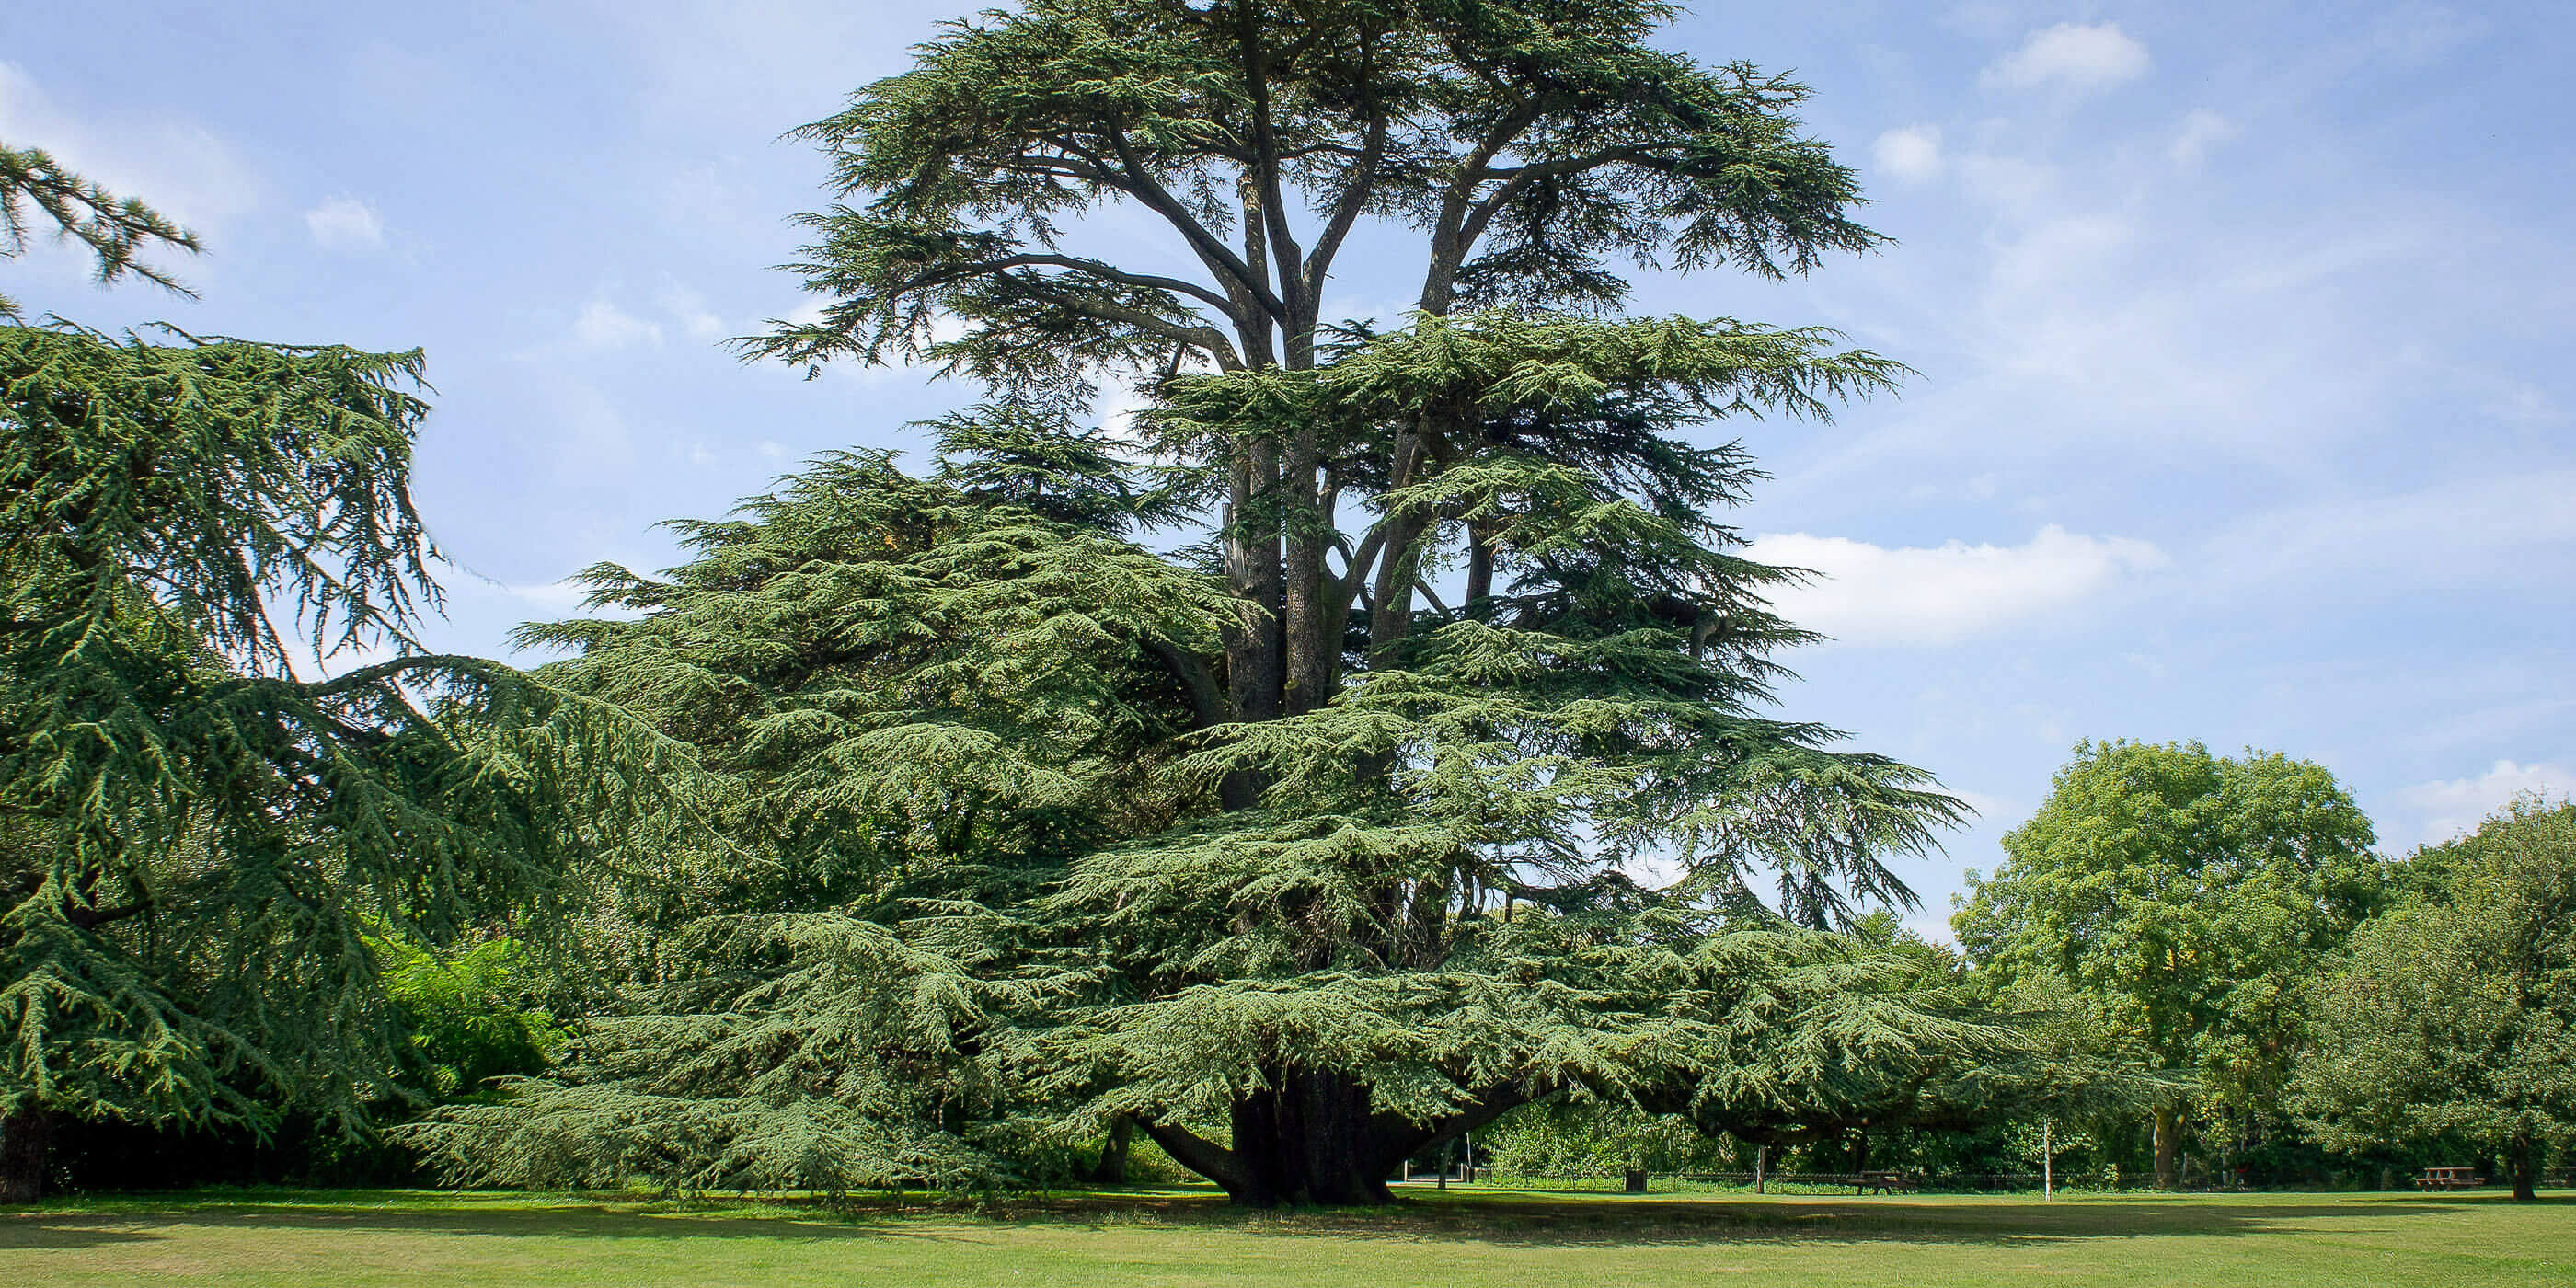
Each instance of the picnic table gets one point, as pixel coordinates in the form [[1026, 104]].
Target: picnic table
[[2449, 1178], [1883, 1182]]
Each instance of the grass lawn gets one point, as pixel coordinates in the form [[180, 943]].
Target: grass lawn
[[1463, 1237]]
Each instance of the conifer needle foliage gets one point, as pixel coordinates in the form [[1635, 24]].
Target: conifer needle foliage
[[196, 843], [1377, 735]]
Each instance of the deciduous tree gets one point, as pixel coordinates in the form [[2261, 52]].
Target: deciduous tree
[[2453, 1016], [2189, 896]]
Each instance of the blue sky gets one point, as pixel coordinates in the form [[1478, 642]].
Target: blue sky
[[2244, 329]]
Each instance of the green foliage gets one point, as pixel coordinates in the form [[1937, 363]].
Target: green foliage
[[960, 736], [114, 231], [469, 1015], [1238, 842], [197, 840], [2187, 898], [1523, 142], [2186, 892], [920, 696], [2454, 1015], [1568, 1138]]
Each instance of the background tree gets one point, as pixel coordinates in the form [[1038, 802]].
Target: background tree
[[2188, 896], [194, 842], [2453, 1016], [2046, 1056]]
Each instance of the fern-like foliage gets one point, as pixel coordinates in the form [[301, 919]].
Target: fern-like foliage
[[974, 737], [198, 841], [1434, 768]]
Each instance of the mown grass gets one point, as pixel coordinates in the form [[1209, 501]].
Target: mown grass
[[1460, 1238]]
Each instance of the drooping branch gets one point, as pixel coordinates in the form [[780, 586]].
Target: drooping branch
[[1200, 1155], [1400, 1138]]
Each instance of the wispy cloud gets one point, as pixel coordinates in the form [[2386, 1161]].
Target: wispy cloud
[[2200, 131], [689, 310], [1874, 595], [2457, 805], [2071, 56], [173, 164], [345, 224], [603, 327], [2460, 533], [1911, 154]]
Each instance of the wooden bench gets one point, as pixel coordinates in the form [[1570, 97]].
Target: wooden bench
[[2449, 1178], [1883, 1182]]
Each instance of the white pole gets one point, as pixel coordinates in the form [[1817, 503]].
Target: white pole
[[2047, 1162]]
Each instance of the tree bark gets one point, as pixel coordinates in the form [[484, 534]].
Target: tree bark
[[2168, 1145], [1311, 1139], [2523, 1161], [24, 1138], [1112, 1169]]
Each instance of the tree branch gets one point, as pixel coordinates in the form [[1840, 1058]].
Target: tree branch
[[1134, 180], [1401, 1139], [1080, 264], [1200, 1155]]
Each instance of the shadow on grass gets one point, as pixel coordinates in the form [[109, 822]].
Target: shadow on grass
[[1514, 1218], [139, 1223]]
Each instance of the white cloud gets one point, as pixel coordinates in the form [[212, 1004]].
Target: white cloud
[[1115, 409], [2416, 33], [2457, 805], [2200, 130], [2524, 407], [689, 309], [1912, 154], [345, 223], [1872, 595], [561, 596], [603, 326], [2071, 56]]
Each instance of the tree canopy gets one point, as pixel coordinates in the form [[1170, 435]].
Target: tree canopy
[[2453, 1016], [2188, 895], [1252, 838], [195, 840]]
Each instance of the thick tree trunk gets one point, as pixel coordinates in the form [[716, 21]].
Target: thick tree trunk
[[1112, 1169], [2168, 1145], [1254, 648], [24, 1137], [2524, 1163], [1310, 1140]]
